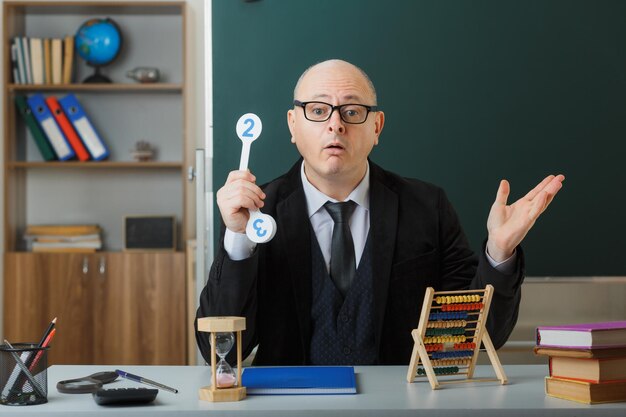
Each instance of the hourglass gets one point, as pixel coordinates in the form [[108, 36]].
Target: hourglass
[[224, 374], [225, 384]]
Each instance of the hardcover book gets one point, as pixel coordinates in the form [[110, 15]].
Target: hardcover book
[[57, 61], [589, 370], [581, 353], [586, 392], [62, 229], [299, 380], [584, 335], [36, 60]]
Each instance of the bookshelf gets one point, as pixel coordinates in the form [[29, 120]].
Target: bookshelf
[[110, 294]]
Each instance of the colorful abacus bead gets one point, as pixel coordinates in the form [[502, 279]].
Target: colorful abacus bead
[[446, 370]]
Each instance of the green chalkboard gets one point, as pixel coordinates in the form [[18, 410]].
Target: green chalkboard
[[473, 91]]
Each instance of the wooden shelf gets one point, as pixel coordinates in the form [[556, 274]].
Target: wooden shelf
[[97, 87], [98, 290], [98, 252], [96, 165]]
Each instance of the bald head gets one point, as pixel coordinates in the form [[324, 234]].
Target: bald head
[[334, 66]]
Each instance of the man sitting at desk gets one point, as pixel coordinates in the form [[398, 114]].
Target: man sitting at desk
[[343, 280]]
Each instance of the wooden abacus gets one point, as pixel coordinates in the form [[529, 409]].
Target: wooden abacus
[[448, 337]]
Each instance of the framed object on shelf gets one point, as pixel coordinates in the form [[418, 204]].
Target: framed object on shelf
[[149, 233]]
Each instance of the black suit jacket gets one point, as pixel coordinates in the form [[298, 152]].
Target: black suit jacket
[[417, 242]]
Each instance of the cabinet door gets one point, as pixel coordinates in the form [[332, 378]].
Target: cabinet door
[[41, 286], [140, 309]]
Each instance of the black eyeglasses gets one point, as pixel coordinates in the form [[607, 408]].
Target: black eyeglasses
[[318, 111]]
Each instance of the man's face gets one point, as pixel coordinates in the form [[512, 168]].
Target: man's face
[[334, 150]]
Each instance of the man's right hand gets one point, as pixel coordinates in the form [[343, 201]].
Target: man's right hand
[[238, 195]]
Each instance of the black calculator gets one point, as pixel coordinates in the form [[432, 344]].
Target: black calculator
[[125, 396]]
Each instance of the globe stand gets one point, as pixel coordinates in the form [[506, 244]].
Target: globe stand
[[97, 77]]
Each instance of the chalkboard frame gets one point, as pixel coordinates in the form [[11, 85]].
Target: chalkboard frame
[[473, 92]]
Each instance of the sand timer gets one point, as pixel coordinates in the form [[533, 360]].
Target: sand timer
[[224, 375], [225, 383]]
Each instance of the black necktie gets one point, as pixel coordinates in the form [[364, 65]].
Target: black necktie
[[342, 261]]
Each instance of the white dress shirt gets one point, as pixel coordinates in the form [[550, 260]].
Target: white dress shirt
[[238, 246]]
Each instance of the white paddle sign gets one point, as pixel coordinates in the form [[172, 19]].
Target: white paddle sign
[[261, 227]]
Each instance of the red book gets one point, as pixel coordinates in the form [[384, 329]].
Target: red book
[[67, 128]]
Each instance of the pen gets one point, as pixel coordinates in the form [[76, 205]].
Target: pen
[[142, 380]]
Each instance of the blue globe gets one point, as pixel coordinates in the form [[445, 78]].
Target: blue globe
[[98, 41]]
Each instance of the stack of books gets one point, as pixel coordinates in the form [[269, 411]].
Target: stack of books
[[587, 361], [42, 60], [63, 238]]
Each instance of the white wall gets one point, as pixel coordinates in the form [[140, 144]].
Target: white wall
[[553, 301]]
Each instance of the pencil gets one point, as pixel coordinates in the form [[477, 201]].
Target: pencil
[[47, 332], [45, 344]]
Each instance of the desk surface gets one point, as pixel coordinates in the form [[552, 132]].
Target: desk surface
[[381, 391]]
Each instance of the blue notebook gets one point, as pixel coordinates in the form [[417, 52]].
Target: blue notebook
[[299, 380]]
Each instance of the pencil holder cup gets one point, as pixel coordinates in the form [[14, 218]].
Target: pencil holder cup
[[23, 374]]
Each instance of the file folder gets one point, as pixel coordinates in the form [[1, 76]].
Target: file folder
[[35, 130], [304, 380], [67, 129], [42, 113], [75, 113]]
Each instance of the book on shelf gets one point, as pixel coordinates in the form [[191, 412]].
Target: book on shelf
[[26, 54], [47, 62], [42, 113], [85, 244], [35, 130], [588, 369], [305, 380], [15, 71], [62, 229], [585, 392], [36, 60], [64, 250], [63, 238], [584, 335], [68, 59], [57, 61], [21, 65], [67, 129]]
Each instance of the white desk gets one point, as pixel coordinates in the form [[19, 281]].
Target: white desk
[[382, 391]]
